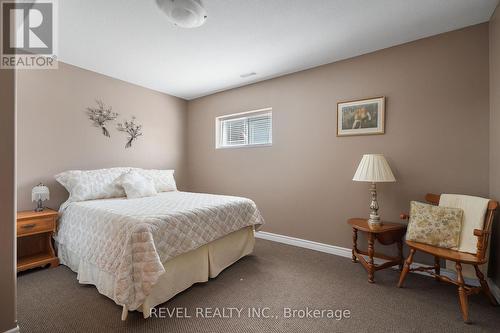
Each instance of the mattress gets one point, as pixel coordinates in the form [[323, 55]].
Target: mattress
[[130, 239]]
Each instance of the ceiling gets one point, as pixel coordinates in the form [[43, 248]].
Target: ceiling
[[133, 41]]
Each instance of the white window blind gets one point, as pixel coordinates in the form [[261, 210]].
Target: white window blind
[[244, 129]]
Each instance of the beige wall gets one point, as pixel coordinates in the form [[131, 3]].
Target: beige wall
[[436, 136], [495, 137], [7, 201], [55, 135]]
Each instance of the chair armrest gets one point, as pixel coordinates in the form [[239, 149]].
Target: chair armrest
[[482, 242], [480, 233], [404, 216]]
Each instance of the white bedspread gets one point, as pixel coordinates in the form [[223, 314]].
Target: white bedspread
[[131, 238]]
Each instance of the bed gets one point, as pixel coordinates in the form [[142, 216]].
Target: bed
[[141, 252]]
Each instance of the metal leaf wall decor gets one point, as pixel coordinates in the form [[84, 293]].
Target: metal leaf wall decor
[[100, 115], [132, 129]]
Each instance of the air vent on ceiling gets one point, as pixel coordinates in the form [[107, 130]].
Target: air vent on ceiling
[[248, 74]]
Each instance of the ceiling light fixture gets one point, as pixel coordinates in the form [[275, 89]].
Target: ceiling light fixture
[[184, 13]]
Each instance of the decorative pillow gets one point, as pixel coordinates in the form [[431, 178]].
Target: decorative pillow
[[163, 179], [137, 185], [92, 184], [434, 225]]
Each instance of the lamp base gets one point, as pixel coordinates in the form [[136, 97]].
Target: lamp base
[[39, 206], [374, 220]]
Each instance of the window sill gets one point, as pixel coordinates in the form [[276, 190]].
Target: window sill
[[245, 146]]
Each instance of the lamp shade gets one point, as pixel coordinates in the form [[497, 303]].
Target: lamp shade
[[373, 168], [40, 192]]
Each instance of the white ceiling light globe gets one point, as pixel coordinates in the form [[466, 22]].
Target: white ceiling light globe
[[184, 13]]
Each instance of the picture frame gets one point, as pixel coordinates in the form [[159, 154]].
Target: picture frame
[[361, 117]]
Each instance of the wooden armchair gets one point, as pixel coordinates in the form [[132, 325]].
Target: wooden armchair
[[459, 258]]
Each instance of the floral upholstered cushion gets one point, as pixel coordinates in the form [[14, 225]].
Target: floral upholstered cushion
[[434, 225]]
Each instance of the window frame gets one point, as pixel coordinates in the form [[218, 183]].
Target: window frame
[[259, 112]]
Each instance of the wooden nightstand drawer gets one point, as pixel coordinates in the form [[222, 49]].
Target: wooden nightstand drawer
[[30, 227]]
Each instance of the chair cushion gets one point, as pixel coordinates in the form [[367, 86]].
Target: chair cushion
[[434, 225], [474, 211]]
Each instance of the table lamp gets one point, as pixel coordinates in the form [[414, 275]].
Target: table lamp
[[39, 194], [374, 168]]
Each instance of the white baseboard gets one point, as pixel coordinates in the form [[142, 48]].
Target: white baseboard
[[345, 252], [307, 244], [13, 330]]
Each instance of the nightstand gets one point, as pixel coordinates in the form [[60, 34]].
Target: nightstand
[[34, 239], [387, 233]]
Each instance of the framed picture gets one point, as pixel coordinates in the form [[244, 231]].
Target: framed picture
[[361, 117]]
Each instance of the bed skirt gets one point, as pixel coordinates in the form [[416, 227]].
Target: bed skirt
[[181, 272]]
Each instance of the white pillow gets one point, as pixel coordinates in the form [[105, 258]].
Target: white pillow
[[92, 184], [137, 185], [163, 179]]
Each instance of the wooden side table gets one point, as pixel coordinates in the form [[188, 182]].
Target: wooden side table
[[388, 233], [34, 239]]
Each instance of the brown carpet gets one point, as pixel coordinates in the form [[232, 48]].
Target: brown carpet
[[276, 276]]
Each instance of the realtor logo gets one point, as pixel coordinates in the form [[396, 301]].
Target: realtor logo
[[28, 33]]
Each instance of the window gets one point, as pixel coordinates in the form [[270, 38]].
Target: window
[[245, 129]]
